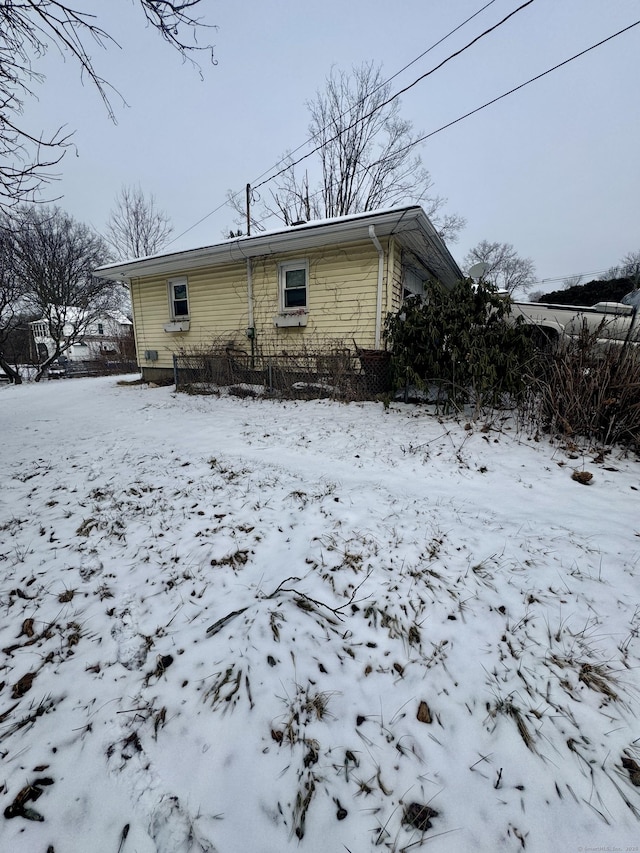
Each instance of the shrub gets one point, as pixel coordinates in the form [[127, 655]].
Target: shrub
[[461, 345], [588, 389]]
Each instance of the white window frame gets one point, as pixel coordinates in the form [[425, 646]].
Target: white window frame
[[283, 269], [172, 283]]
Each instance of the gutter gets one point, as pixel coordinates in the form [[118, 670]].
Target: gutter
[[295, 239], [380, 250]]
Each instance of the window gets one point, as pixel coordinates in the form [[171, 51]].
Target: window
[[293, 279], [178, 299], [412, 284], [100, 328]]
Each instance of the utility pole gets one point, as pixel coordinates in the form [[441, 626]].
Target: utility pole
[[248, 210]]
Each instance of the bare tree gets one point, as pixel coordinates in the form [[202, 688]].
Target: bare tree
[[12, 302], [136, 226], [506, 269], [630, 268], [55, 257], [571, 281], [28, 29], [367, 158]]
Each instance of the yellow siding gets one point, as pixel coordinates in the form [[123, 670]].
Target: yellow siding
[[396, 287], [341, 304]]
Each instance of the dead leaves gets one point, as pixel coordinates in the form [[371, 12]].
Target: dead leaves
[[29, 793], [424, 713], [419, 816], [23, 685], [633, 768]]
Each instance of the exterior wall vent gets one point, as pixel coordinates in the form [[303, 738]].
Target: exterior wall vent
[[151, 355]]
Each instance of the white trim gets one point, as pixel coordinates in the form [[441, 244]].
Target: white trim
[[380, 251], [177, 326], [289, 321], [291, 266], [178, 281], [410, 225]]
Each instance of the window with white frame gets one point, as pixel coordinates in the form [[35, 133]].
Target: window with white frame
[[178, 298], [293, 279]]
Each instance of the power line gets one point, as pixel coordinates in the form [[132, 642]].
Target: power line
[[488, 103], [454, 121], [397, 95], [526, 83], [554, 279], [315, 136], [374, 90]]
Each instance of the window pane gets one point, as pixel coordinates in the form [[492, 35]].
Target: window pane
[[179, 300], [296, 278], [295, 288], [295, 298]]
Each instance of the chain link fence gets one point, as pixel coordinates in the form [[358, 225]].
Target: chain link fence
[[339, 374]]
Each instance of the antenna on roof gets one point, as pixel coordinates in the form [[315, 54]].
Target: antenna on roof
[[248, 210]]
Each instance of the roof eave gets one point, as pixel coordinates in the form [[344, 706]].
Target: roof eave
[[299, 238]]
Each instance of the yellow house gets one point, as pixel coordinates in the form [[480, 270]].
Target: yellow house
[[316, 286]]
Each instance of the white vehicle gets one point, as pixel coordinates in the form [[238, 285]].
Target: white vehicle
[[612, 322]]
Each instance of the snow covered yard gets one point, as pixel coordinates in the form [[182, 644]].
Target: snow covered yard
[[235, 625]]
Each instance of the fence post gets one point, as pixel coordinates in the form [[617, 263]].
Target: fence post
[[175, 370]]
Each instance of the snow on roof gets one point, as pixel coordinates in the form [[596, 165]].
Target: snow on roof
[[401, 221]]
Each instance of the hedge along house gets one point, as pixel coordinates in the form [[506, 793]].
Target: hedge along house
[[317, 286]]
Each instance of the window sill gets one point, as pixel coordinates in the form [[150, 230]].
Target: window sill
[[177, 326], [288, 321]]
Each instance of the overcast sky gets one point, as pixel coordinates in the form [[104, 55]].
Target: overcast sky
[[552, 169]]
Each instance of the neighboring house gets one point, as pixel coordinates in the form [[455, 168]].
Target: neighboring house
[[104, 337], [317, 286]]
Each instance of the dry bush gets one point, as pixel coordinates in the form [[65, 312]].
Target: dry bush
[[322, 368], [584, 388]]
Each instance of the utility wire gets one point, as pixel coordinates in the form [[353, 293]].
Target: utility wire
[[376, 89], [494, 100], [521, 86], [454, 121], [553, 279], [397, 94], [315, 136]]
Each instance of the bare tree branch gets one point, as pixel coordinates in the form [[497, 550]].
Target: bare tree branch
[[136, 227], [506, 269], [367, 157], [53, 260], [27, 30]]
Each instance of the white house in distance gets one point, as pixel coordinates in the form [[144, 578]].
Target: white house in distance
[[104, 337]]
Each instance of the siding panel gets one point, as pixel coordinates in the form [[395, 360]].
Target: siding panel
[[342, 294]]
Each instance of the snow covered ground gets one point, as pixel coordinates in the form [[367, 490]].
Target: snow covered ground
[[239, 625]]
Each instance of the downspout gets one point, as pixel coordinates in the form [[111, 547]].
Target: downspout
[[376, 243], [251, 331]]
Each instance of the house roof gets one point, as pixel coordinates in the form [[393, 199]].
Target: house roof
[[73, 314], [410, 226]]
